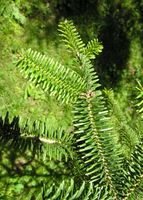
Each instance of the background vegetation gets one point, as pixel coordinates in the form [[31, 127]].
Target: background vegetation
[[117, 25]]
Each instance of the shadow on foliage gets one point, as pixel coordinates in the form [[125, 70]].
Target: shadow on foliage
[[21, 160], [114, 56]]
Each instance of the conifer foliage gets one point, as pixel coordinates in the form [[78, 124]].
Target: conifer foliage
[[84, 163]]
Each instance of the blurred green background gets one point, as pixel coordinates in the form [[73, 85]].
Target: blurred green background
[[33, 24]]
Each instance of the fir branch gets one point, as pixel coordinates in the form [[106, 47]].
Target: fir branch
[[52, 77], [58, 143], [71, 37], [91, 150], [89, 143], [93, 48], [133, 172]]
